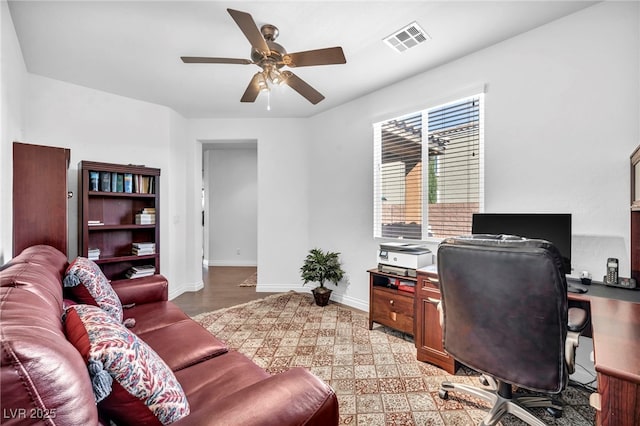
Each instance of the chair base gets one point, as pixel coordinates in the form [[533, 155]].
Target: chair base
[[503, 401]]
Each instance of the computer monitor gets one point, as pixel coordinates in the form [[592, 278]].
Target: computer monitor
[[553, 227]]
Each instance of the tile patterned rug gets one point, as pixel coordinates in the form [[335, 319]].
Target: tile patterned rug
[[374, 373], [252, 281]]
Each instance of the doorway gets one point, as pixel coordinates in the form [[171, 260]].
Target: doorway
[[230, 203]]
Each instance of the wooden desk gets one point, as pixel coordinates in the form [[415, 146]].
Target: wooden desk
[[615, 329], [615, 325]]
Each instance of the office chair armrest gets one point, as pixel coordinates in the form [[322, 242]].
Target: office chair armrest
[[576, 322], [577, 319]]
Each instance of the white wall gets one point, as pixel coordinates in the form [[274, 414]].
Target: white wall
[[99, 126], [13, 76], [562, 117], [176, 251], [232, 188]]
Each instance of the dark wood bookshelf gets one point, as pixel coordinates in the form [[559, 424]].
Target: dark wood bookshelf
[[116, 210]]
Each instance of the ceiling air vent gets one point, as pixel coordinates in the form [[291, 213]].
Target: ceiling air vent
[[406, 38]]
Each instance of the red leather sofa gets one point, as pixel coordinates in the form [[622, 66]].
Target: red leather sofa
[[44, 378]]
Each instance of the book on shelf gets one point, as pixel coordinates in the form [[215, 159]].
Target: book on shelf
[[140, 271], [147, 216], [105, 181], [94, 181], [145, 219], [143, 184], [121, 182], [114, 182], [141, 249], [128, 182], [94, 223], [93, 254]]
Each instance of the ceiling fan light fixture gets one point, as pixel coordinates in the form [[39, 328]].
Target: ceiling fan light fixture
[[406, 38], [276, 76], [262, 82]]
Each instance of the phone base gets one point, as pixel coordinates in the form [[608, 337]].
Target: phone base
[[628, 283]]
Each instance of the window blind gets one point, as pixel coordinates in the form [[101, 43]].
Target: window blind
[[428, 182]]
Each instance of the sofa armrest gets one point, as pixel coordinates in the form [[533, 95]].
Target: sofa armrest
[[294, 397], [154, 288]]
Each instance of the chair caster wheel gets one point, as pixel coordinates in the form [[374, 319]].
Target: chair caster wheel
[[443, 394], [556, 413]]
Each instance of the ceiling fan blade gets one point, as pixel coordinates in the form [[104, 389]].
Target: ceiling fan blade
[[302, 87], [328, 56], [202, 60], [250, 29], [251, 93]]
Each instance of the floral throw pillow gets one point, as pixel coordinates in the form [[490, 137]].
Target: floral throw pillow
[[132, 384], [89, 285]]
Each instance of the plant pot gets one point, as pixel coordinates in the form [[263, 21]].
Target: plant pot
[[321, 295]]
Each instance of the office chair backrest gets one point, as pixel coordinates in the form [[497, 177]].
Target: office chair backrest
[[505, 308]]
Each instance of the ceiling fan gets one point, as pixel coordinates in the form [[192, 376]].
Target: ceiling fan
[[271, 57]]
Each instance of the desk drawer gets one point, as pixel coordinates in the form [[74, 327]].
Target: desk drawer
[[393, 310]]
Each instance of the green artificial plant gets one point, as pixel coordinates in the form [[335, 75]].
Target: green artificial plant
[[320, 266]]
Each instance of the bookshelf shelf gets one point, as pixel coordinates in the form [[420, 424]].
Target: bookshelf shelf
[[99, 228], [120, 194], [126, 258], [119, 208]]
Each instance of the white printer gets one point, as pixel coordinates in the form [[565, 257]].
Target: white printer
[[403, 258]]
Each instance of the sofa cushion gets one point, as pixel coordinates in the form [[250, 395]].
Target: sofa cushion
[[132, 384], [153, 316], [46, 256], [202, 381], [183, 343], [40, 371], [89, 285]]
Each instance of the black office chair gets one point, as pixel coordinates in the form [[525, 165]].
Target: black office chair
[[505, 315]]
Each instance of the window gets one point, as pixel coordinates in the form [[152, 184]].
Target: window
[[415, 202]]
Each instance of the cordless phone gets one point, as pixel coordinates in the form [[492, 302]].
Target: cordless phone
[[612, 279], [612, 271]]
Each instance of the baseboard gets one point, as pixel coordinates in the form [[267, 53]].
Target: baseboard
[[281, 288], [230, 263], [350, 301], [183, 288], [335, 296]]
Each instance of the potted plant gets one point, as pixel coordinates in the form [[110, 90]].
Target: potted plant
[[320, 266]]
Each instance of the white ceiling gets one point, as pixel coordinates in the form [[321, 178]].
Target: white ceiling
[[133, 48]]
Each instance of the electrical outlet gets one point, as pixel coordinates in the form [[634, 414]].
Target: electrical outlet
[[238, 252]]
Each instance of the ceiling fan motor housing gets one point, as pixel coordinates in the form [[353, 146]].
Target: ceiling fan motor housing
[[276, 51]]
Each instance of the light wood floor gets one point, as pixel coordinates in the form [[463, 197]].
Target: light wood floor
[[220, 290]]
